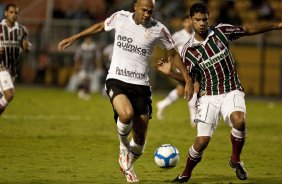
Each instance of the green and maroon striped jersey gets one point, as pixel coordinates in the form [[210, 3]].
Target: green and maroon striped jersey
[[11, 41], [213, 60]]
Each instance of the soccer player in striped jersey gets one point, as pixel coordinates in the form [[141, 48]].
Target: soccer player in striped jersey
[[221, 93], [180, 38], [127, 83], [13, 42]]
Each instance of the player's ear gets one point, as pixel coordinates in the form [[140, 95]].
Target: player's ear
[[135, 6]]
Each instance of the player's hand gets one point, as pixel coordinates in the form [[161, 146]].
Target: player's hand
[[189, 90], [65, 43], [26, 45], [163, 66]]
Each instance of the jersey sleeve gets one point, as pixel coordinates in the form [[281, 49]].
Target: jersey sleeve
[[25, 35], [166, 39], [111, 22], [189, 58], [231, 32]]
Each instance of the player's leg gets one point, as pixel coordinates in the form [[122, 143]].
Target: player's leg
[[207, 121], [84, 85], [125, 112], [234, 115], [169, 99], [137, 145], [123, 116], [7, 90]]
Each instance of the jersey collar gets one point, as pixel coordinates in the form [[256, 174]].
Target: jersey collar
[[4, 22], [195, 42]]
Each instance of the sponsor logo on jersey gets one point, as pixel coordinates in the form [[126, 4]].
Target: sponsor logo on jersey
[[233, 29], [214, 59], [126, 44], [9, 43], [131, 74]]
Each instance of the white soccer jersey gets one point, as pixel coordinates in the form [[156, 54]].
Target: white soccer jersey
[[180, 38], [133, 47]]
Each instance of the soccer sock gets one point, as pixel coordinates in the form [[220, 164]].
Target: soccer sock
[[136, 150], [123, 132], [3, 103], [192, 107], [171, 97], [193, 159], [238, 140]]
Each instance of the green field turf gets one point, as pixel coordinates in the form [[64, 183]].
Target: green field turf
[[48, 136]]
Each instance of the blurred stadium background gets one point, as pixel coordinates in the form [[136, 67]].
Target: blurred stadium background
[[259, 58]]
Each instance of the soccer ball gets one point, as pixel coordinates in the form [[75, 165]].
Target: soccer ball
[[166, 156]]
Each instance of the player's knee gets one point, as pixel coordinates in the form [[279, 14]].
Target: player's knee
[[126, 115], [238, 121], [9, 95]]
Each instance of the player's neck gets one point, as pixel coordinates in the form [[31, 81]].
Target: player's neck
[[201, 37], [9, 23]]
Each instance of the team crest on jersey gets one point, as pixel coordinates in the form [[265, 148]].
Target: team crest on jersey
[[111, 93], [148, 34], [198, 57], [219, 44]]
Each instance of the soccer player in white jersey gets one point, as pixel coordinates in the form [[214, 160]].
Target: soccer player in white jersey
[[180, 38], [127, 81], [221, 93]]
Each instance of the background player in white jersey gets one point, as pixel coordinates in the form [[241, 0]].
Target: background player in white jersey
[[13, 41], [180, 38], [127, 81]]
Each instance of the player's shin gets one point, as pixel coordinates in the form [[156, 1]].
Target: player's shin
[[193, 159], [135, 150], [238, 140], [123, 131]]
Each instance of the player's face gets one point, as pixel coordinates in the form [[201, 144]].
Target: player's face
[[143, 11], [200, 23], [12, 14]]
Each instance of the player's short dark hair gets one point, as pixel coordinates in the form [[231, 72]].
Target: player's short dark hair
[[10, 5], [199, 8]]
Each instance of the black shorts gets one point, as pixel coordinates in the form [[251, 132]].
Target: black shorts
[[140, 96]]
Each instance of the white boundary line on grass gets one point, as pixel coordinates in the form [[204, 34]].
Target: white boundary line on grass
[[46, 117]]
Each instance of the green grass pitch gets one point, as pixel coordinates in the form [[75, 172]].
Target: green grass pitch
[[48, 136]]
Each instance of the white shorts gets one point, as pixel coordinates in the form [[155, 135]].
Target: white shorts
[[5, 81], [210, 109]]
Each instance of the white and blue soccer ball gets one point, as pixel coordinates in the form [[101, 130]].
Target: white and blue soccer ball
[[166, 156]]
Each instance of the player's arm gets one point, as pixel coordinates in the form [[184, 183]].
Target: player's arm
[[26, 45], [261, 28], [176, 60], [94, 29]]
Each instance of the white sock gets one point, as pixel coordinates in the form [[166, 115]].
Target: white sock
[[3, 102], [123, 132], [136, 150], [192, 107], [171, 97]]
